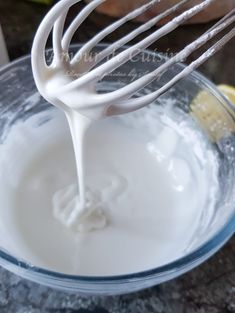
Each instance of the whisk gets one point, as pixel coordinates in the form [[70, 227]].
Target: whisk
[[84, 76]]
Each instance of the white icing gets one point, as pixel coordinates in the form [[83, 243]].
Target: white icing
[[145, 190], [130, 204], [71, 84]]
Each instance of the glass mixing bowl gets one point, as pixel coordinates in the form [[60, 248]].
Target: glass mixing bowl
[[17, 102]]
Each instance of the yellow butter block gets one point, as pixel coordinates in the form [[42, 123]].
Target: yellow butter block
[[216, 120]]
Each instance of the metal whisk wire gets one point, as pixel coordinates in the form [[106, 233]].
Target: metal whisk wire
[[121, 100]]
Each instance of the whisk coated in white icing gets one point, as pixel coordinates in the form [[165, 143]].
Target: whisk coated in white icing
[[70, 84], [64, 90]]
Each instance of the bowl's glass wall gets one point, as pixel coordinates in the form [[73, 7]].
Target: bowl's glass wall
[[19, 101]]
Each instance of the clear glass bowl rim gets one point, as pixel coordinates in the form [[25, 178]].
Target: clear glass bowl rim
[[204, 251]]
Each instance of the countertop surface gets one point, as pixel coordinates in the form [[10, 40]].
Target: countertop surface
[[210, 288]]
